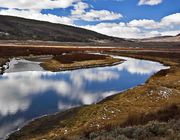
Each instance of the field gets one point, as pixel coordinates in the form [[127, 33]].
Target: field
[[144, 103]]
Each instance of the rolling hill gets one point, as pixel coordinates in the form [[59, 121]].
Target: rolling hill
[[15, 28]]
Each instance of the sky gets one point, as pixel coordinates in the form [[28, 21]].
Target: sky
[[119, 18]]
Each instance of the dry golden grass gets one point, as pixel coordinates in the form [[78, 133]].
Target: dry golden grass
[[75, 61], [160, 91]]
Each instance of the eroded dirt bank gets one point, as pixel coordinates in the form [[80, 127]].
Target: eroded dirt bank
[[160, 92]]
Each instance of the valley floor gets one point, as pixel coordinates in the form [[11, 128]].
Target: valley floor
[[157, 100]]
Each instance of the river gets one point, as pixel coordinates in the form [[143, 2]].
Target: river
[[27, 91]]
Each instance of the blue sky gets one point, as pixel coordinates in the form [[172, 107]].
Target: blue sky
[[121, 18]]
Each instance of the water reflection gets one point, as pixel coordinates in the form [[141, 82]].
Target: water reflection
[[29, 94], [18, 65]]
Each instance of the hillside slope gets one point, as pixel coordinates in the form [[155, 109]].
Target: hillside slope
[[15, 28], [162, 39]]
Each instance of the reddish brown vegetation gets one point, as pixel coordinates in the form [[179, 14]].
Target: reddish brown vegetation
[[9, 51], [70, 58]]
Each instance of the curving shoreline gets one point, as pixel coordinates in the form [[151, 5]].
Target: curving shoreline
[[64, 116], [76, 61], [50, 64]]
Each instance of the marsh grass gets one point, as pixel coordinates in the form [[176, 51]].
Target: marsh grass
[[137, 113], [163, 123]]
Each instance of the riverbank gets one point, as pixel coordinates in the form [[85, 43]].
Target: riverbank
[[162, 124], [68, 61], [159, 92], [2, 63], [74, 61]]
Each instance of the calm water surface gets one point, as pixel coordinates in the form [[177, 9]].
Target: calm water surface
[[28, 92]]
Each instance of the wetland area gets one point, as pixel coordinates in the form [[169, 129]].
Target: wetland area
[[31, 92], [89, 70]]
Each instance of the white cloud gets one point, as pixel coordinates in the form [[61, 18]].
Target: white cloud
[[79, 8], [32, 9], [117, 30], [150, 2], [171, 33], [27, 9], [148, 24], [168, 21], [80, 12], [36, 4], [171, 20], [142, 28], [33, 14], [94, 15]]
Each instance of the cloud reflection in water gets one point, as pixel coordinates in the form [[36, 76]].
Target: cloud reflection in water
[[20, 90]]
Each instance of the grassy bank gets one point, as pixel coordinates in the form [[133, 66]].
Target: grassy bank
[[77, 60], [163, 124], [160, 91]]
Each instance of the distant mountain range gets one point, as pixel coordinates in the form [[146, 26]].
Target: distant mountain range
[[162, 39], [15, 28]]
